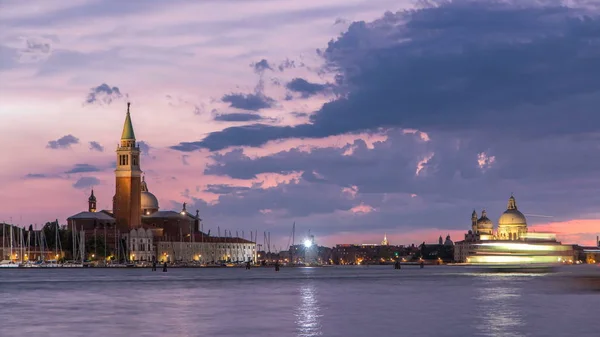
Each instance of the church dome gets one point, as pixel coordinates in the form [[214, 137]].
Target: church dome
[[512, 216], [484, 222], [149, 201]]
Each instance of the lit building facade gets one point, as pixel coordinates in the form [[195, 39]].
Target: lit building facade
[[512, 226], [141, 245], [206, 249]]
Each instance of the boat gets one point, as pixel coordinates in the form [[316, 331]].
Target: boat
[[530, 255], [9, 264]]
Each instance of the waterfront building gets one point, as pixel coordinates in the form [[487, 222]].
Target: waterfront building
[[206, 249], [141, 244]]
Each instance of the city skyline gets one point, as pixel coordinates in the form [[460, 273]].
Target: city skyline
[[283, 112]]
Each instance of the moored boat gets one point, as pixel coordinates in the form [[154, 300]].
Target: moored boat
[[9, 264]]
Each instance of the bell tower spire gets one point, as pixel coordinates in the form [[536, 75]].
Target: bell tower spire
[[127, 200], [92, 202]]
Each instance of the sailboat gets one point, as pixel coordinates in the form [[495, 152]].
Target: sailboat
[[8, 263]]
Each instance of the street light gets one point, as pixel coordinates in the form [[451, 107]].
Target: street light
[[307, 243]]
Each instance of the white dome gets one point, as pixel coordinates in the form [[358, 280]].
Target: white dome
[[149, 201], [512, 217]]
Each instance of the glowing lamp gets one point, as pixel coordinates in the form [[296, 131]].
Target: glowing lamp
[[307, 243]]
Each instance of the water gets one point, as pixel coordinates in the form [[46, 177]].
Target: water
[[336, 301]]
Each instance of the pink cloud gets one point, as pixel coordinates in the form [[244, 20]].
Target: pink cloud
[[362, 209]]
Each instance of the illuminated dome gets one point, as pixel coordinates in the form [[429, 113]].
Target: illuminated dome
[[512, 216], [512, 224], [148, 202], [484, 222]]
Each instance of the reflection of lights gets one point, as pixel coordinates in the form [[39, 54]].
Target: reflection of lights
[[308, 313], [307, 243], [500, 314]]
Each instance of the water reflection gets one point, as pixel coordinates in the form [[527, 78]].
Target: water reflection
[[499, 314], [308, 313]]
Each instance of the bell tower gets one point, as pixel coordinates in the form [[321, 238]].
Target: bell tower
[[92, 202], [474, 222], [127, 199]]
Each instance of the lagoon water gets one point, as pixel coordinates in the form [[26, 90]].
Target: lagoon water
[[335, 301]]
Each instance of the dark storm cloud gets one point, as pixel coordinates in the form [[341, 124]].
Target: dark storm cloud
[[95, 146], [305, 88], [253, 102], [541, 172], [86, 182], [260, 66], [64, 142], [104, 94], [81, 168], [455, 66], [214, 140], [237, 117], [294, 199]]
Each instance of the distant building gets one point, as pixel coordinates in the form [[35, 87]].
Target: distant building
[[368, 253], [385, 240], [512, 225]]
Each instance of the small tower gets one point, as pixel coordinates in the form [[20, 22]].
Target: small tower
[[512, 203], [92, 202], [385, 240], [474, 221], [441, 241]]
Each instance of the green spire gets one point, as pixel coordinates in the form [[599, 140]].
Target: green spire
[[128, 127]]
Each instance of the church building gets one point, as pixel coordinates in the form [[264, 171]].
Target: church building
[[512, 225], [135, 224]]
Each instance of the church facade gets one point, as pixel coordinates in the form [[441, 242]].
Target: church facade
[[512, 226], [136, 227]]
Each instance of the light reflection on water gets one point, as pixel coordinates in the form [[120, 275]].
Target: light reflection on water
[[334, 302], [308, 314], [500, 312]]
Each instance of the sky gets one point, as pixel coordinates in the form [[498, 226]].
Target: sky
[[349, 118]]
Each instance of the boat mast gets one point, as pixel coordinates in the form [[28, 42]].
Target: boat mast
[[56, 242], [22, 243], [74, 239], [82, 245], [3, 239], [11, 241], [28, 245], [292, 246]]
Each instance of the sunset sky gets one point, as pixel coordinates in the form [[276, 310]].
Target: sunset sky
[[351, 118]]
